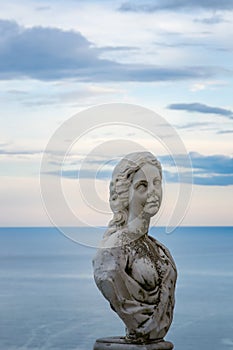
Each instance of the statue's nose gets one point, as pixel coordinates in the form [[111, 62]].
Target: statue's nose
[[153, 194]]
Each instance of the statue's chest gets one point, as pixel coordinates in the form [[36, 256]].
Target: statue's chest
[[147, 264]]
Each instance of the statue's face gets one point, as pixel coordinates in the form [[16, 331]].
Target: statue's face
[[145, 193]]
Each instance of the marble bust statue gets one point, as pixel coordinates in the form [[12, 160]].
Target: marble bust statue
[[135, 272]]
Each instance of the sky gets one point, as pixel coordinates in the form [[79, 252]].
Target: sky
[[59, 58]]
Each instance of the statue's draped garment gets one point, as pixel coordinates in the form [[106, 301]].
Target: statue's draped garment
[[138, 279]]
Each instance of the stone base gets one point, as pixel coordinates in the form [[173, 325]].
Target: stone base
[[120, 343]]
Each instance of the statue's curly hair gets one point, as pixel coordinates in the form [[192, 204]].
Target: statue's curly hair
[[119, 187]]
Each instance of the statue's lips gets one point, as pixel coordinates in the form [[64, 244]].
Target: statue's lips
[[153, 203]]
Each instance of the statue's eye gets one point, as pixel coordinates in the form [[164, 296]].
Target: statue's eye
[[157, 182], [141, 186]]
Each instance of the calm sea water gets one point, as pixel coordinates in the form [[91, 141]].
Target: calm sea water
[[48, 299]]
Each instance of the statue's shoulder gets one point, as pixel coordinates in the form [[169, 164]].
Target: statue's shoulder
[[110, 257], [115, 239], [111, 244]]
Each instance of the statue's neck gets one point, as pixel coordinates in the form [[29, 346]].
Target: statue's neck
[[138, 224]]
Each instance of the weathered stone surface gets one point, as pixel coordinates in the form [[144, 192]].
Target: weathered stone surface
[[135, 272], [119, 343]]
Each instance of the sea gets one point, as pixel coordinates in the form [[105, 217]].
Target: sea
[[48, 298]]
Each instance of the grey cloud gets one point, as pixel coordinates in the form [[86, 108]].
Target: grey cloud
[[225, 132], [209, 165], [192, 125], [172, 5], [201, 108], [179, 44], [213, 170], [216, 164], [41, 52], [188, 43], [215, 19], [4, 144], [214, 180], [204, 180], [6, 151], [43, 8], [17, 92], [19, 152], [118, 48], [53, 54], [88, 174]]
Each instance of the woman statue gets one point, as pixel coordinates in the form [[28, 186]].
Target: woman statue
[[135, 272]]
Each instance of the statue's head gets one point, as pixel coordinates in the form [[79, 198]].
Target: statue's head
[[135, 188]]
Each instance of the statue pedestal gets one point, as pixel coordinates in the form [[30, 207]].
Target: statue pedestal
[[119, 343]]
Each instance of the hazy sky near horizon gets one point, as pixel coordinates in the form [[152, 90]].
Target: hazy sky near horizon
[[58, 58]]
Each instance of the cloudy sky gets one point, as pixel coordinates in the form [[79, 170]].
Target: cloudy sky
[[58, 58]]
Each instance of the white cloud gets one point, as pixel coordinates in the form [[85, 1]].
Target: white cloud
[[211, 85]]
